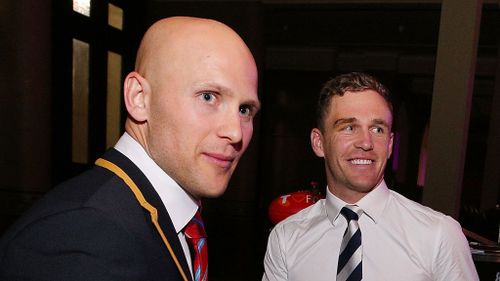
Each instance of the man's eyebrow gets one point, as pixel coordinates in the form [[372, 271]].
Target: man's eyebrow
[[380, 122], [213, 86], [344, 121], [253, 103]]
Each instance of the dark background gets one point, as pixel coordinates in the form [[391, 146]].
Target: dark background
[[297, 46]]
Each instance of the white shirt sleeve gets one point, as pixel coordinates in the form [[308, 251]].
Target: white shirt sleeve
[[274, 261], [453, 259]]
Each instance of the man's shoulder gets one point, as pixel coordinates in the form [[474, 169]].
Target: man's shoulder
[[305, 218], [417, 214], [401, 200], [93, 189], [78, 190]]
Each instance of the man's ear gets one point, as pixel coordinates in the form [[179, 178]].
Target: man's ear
[[136, 91], [317, 142]]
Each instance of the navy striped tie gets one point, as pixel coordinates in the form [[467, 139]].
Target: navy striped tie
[[350, 266]]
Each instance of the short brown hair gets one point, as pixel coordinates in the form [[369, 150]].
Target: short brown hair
[[349, 82]]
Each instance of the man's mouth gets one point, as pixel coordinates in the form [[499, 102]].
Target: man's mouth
[[221, 160], [361, 161]]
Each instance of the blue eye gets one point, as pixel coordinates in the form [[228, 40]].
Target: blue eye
[[348, 128], [245, 110], [207, 96]]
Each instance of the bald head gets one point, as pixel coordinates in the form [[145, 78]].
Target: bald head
[[191, 101], [169, 42]]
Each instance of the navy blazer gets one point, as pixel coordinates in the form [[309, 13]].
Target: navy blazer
[[92, 228]]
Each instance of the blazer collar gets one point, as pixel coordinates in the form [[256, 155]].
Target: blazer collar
[[152, 197]]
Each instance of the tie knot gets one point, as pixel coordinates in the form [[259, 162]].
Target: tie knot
[[195, 228], [351, 212]]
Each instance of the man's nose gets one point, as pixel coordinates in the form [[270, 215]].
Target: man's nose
[[364, 140], [230, 127]]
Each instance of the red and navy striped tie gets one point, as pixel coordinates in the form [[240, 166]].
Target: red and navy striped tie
[[197, 238]]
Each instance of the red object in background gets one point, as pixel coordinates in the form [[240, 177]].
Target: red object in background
[[289, 204]]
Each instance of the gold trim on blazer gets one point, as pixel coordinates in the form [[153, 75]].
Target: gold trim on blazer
[[145, 204]]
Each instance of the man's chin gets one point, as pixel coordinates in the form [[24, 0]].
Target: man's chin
[[214, 192], [366, 187]]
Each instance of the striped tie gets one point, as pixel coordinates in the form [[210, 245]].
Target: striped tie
[[197, 238], [350, 267]]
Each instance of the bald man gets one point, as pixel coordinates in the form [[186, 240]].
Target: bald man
[[190, 102]]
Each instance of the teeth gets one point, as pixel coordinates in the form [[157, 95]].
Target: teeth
[[361, 162]]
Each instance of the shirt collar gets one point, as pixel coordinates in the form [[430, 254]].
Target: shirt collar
[[333, 205], [372, 203], [180, 206]]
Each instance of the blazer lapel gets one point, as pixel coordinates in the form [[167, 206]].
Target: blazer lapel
[[153, 198]]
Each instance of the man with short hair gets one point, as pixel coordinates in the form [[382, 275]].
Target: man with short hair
[[362, 230]]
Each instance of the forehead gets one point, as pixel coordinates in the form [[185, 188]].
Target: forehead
[[180, 47], [360, 105], [228, 66]]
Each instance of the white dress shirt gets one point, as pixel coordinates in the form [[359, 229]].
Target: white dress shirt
[[180, 205], [401, 240]]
